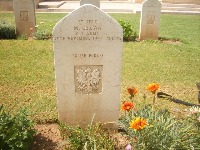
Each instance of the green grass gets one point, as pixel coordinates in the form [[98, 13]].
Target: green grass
[[27, 69], [27, 77]]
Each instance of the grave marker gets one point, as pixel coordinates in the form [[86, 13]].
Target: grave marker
[[88, 55], [24, 17], [150, 20], [93, 2]]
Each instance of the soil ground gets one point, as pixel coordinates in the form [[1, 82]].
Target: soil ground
[[48, 137]]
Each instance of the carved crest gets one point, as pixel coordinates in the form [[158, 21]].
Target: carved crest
[[87, 79], [150, 19], [24, 15]]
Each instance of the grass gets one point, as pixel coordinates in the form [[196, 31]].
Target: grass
[[27, 77], [27, 69]]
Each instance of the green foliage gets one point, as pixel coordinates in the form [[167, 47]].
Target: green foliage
[[16, 132], [128, 33], [7, 30], [42, 35], [92, 137], [163, 131], [194, 116], [22, 37]]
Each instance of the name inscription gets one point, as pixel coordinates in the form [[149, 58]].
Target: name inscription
[[87, 30]]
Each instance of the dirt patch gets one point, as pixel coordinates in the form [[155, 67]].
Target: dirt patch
[[173, 42], [164, 40], [48, 137]]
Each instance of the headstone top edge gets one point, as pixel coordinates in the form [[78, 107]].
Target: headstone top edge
[[85, 6], [147, 1]]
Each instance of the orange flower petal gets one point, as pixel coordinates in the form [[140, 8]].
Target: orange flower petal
[[152, 87], [138, 123], [127, 106], [132, 91]]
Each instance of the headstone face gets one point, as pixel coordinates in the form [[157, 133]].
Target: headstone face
[[150, 20], [88, 55], [93, 2], [24, 17]]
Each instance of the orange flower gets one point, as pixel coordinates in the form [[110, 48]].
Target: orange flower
[[127, 106], [138, 123], [152, 87], [132, 91]]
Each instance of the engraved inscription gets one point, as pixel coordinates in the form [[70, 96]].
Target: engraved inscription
[[88, 79], [24, 15], [87, 55], [87, 30], [150, 19]]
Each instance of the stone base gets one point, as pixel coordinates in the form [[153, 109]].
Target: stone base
[[139, 1], [175, 1], [37, 3], [6, 5], [182, 1], [51, 4]]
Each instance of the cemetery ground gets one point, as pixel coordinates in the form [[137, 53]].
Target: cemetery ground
[[27, 77]]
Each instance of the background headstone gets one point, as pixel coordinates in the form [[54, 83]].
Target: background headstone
[[88, 55], [150, 20], [24, 17], [93, 2]]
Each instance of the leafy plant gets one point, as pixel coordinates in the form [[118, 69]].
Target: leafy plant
[[128, 33], [22, 37], [194, 116], [92, 137], [16, 132], [7, 30], [151, 128], [162, 132], [43, 35]]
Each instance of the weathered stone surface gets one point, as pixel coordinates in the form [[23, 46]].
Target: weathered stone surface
[[150, 20], [24, 17], [88, 55], [93, 2]]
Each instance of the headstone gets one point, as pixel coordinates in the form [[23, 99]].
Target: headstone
[[24, 17], [150, 20], [93, 2], [88, 55]]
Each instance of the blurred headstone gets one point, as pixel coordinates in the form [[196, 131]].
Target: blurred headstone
[[150, 20], [24, 17]]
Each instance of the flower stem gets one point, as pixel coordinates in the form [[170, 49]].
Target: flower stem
[[154, 98]]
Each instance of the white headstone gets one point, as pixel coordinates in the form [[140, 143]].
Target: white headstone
[[88, 55], [24, 17], [150, 20], [93, 2]]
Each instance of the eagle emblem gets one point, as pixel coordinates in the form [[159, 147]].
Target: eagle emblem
[[87, 79]]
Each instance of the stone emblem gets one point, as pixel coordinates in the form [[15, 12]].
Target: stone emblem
[[24, 15], [87, 79]]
